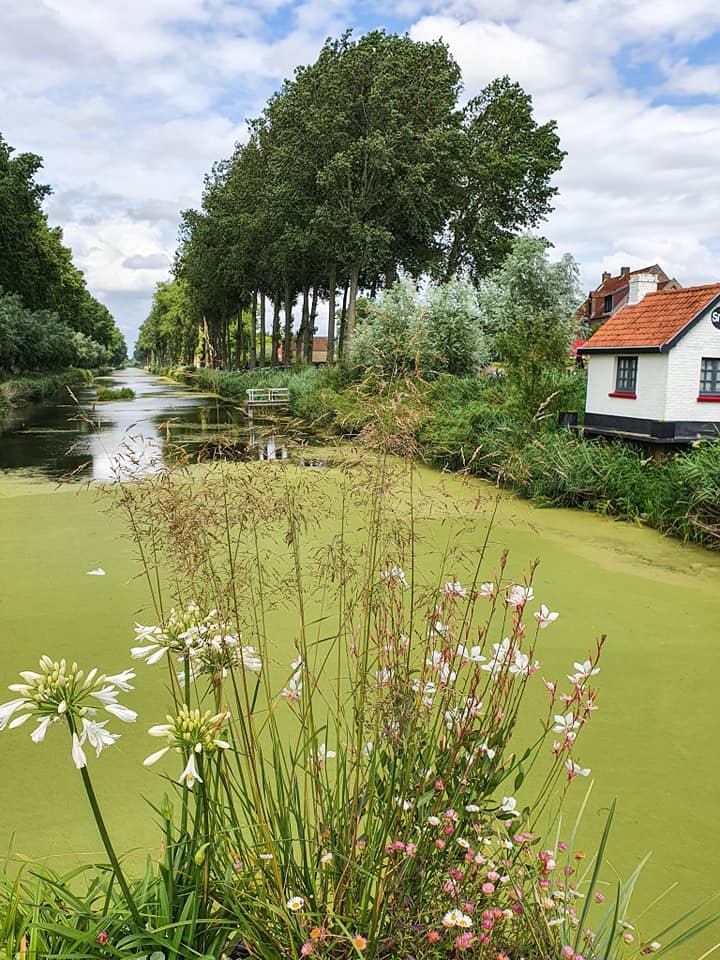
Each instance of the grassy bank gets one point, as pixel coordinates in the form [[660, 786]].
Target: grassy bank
[[32, 387], [472, 425]]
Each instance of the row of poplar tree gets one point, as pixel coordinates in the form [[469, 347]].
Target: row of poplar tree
[[361, 168]]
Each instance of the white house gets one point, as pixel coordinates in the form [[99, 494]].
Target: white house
[[654, 367]]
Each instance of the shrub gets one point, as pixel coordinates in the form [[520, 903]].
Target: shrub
[[122, 393]]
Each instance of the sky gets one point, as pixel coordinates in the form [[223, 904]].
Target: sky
[[130, 102]]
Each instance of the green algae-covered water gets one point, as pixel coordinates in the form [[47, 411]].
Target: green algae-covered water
[[653, 743]]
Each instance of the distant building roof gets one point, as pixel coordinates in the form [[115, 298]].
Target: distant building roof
[[654, 323], [595, 310]]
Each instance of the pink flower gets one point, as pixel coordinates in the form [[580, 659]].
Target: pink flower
[[464, 941], [102, 937], [440, 844], [599, 897], [433, 936], [567, 952], [306, 949], [488, 888]]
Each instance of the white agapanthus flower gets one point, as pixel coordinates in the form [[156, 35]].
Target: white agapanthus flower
[[195, 735], [63, 693]]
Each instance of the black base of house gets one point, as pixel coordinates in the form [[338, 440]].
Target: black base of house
[[676, 432]]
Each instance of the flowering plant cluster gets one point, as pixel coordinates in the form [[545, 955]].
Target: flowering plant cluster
[[357, 787]]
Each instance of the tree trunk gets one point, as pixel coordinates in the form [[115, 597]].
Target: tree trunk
[[275, 330], [352, 300], [287, 342], [262, 329], [343, 323], [253, 331], [238, 340], [310, 332], [332, 280], [301, 340]]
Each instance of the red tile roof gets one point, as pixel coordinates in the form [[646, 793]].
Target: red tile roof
[[655, 321], [594, 306]]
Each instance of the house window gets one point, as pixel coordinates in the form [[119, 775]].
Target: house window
[[710, 377], [608, 304], [626, 375]]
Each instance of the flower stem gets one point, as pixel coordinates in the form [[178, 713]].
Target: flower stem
[[87, 783]]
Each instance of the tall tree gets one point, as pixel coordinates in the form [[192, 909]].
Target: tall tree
[[504, 186]]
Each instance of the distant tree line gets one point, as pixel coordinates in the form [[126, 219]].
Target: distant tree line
[[361, 168], [48, 318]]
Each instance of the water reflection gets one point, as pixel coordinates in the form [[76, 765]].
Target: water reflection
[[128, 438]]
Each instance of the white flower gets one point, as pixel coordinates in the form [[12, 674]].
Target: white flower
[[106, 696], [488, 751], [520, 665], [446, 674], [453, 588], [451, 918], [575, 770], [9, 708], [464, 921], [79, 758], [326, 858], [487, 590], [472, 808], [519, 596], [503, 652], [120, 680], [462, 842], [160, 730], [585, 670], [405, 804], [19, 720], [250, 660], [99, 572], [509, 807], [395, 573], [565, 724], [434, 821], [295, 904], [122, 713], [322, 754], [150, 654], [154, 757], [545, 617], [190, 774], [38, 734], [97, 736]]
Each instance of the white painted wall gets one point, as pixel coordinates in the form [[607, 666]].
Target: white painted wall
[[650, 401], [684, 373]]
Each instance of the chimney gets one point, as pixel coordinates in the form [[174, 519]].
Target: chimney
[[624, 271], [641, 284], [605, 276]]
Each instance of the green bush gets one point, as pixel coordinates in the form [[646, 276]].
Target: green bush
[[124, 393]]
